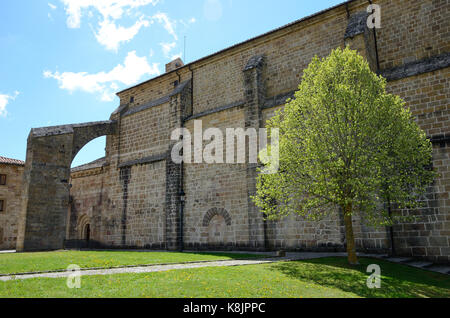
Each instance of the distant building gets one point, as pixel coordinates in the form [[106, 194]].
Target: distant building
[[11, 172]]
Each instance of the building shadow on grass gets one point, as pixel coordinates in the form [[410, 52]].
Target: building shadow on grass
[[396, 280], [232, 255]]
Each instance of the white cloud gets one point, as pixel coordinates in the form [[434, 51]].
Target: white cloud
[[190, 21], [53, 7], [4, 100], [132, 70], [110, 35], [168, 24], [167, 47], [109, 9]]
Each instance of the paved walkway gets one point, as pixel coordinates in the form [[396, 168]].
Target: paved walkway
[[167, 267], [8, 251], [142, 269]]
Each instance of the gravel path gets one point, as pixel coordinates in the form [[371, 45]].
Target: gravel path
[[7, 251]]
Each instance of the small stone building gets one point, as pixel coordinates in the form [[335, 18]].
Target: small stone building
[[11, 173]]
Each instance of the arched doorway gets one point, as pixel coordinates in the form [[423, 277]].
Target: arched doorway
[[87, 233], [84, 228], [216, 230], [217, 223]]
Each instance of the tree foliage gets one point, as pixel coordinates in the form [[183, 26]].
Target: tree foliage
[[345, 142]]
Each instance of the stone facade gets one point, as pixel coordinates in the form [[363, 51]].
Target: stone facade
[[134, 198], [11, 173], [84, 215]]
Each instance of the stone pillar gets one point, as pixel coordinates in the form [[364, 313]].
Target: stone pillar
[[50, 151], [125, 178], [180, 104], [42, 223], [359, 37], [254, 98]]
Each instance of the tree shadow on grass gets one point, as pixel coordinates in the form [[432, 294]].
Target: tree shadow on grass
[[396, 280]]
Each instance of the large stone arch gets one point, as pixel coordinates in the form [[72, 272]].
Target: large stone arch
[[50, 152]]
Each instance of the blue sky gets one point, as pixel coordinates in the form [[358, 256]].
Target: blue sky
[[61, 61]]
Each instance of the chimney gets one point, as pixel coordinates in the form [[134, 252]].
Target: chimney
[[177, 63]]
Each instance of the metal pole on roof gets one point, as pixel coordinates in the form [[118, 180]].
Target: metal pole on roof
[[184, 54]]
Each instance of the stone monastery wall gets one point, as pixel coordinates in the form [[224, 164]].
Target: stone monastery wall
[[133, 199]]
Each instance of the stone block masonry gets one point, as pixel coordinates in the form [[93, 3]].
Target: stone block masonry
[[138, 204], [50, 151], [11, 174]]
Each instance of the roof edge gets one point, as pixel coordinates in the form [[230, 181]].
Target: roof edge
[[98, 163], [11, 161], [188, 65]]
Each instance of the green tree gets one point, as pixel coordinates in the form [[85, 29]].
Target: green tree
[[345, 143]]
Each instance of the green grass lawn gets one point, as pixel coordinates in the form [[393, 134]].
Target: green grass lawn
[[13, 263], [328, 277]]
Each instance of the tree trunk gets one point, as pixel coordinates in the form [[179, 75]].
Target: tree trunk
[[351, 251]]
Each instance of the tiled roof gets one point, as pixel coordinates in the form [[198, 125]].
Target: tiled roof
[[9, 161], [91, 165]]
